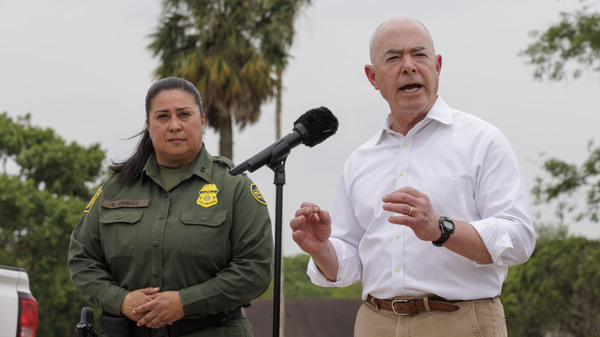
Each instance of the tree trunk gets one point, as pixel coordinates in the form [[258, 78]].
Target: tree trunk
[[226, 135], [278, 105]]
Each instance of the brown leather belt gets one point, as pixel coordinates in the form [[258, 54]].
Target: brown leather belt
[[414, 306]]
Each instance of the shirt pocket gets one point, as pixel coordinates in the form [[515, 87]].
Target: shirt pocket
[[204, 233], [449, 196], [119, 231]]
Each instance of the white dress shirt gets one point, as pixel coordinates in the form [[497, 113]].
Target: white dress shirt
[[469, 171]]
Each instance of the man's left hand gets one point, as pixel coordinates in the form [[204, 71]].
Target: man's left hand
[[414, 211]]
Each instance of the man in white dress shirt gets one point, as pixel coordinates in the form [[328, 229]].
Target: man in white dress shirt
[[428, 214]]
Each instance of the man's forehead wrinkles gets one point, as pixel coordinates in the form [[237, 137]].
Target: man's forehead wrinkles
[[394, 51], [401, 51]]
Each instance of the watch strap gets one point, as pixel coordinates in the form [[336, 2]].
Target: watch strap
[[443, 238]]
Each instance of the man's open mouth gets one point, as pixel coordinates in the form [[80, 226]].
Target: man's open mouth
[[411, 88]]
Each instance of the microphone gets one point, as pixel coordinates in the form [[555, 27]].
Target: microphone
[[313, 127]]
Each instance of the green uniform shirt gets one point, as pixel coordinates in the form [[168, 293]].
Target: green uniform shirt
[[209, 237]]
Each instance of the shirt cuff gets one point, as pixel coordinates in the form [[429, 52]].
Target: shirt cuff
[[496, 239], [347, 268]]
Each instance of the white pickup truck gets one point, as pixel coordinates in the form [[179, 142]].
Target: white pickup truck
[[18, 307]]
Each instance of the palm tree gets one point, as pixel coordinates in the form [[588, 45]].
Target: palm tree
[[279, 35], [221, 47]]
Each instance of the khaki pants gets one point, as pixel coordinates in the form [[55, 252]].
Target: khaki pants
[[484, 318]]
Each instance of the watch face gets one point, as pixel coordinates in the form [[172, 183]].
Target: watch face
[[448, 225]]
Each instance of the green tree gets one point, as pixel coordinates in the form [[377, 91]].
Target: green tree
[[567, 47], [575, 39], [231, 50], [556, 292], [573, 190], [43, 190], [298, 285]]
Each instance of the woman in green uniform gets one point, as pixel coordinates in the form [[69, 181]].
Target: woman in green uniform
[[172, 244]]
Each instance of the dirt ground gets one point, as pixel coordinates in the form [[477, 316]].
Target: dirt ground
[[306, 317]]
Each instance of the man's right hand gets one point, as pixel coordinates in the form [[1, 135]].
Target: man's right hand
[[311, 228]]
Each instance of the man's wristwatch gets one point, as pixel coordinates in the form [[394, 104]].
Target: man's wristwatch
[[447, 228]]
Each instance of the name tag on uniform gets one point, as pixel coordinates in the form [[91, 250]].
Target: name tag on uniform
[[125, 203]]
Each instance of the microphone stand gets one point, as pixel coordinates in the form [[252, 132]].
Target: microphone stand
[[278, 157], [279, 154], [279, 181]]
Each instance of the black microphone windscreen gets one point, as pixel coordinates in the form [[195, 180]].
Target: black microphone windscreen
[[320, 123]]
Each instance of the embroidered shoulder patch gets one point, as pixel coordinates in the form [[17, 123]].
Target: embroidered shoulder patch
[[257, 195], [208, 195], [93, 200]]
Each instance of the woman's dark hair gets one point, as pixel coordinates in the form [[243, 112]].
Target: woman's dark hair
[[131, 168]]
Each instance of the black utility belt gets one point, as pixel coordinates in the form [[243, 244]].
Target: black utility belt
[[120, 326]]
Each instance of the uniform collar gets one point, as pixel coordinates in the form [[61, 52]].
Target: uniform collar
[[201, 166]]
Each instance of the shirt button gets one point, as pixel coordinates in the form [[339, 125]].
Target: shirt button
[[405, 144], [155, 274], [155, 243], [397, 236], [397, 269], [401, 173], [161, 216]]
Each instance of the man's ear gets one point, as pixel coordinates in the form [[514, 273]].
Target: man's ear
[[370, 72]]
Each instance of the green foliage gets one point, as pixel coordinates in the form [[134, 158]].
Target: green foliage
[[41, 203], [47, 159], [575, 39], [568, 186], [556, 291], [298, 285]]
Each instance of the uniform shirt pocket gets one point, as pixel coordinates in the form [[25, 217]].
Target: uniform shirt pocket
[[120, 231], [204, 234]]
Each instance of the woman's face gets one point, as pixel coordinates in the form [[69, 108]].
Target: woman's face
[[176, 127]]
